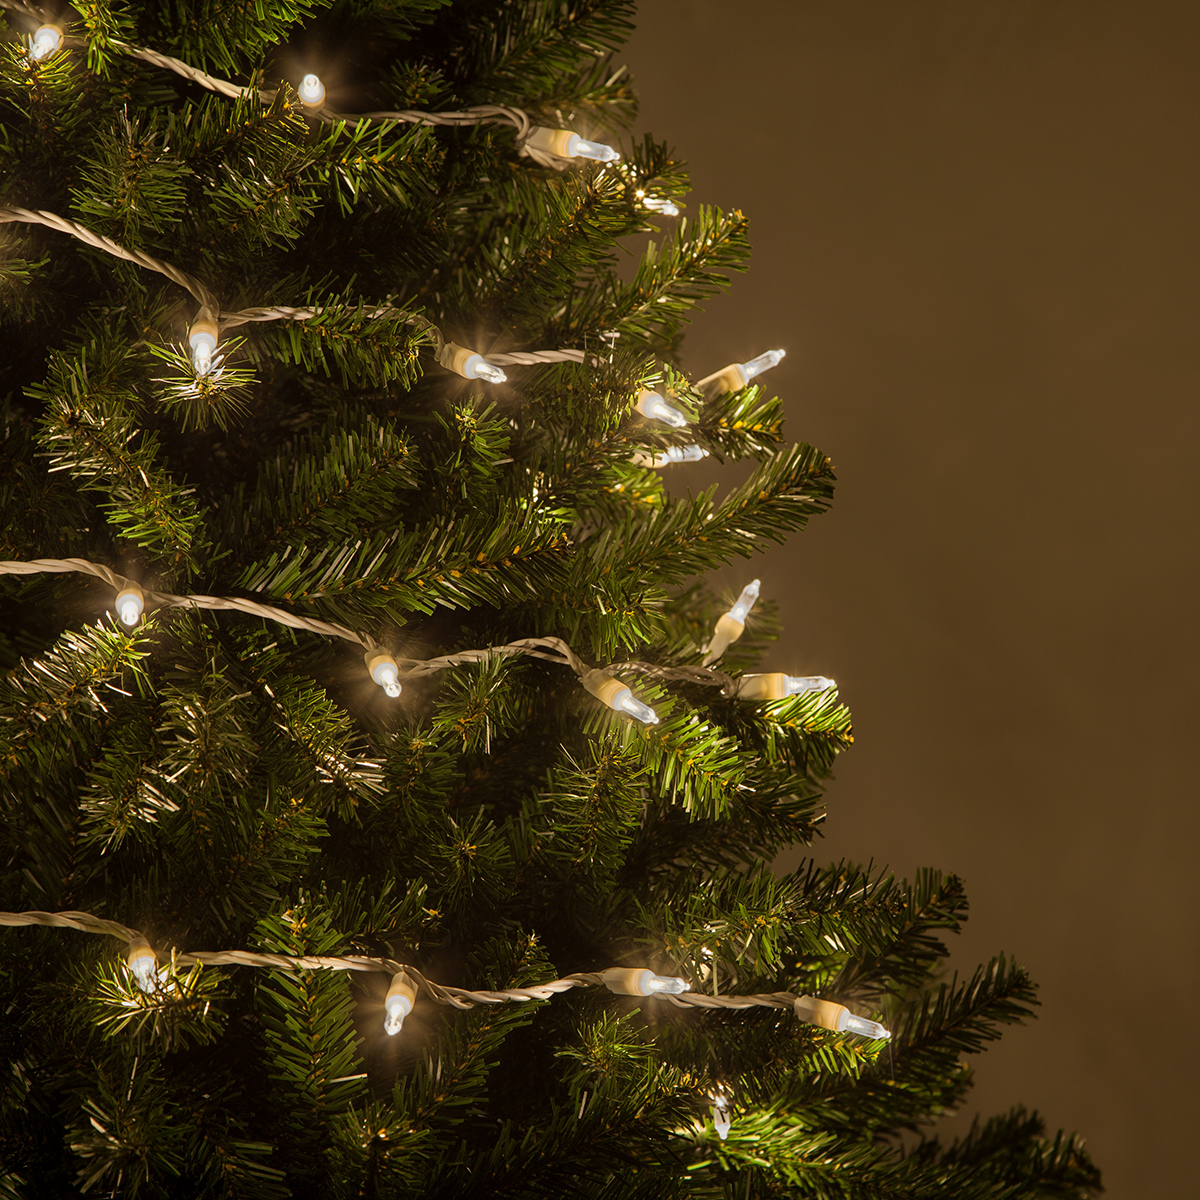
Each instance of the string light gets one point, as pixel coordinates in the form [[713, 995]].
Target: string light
[[735, 376], [617, 696], [837, 1017], [653, 204], [672, 454], [636, 981], [776, 685], [722, 1115], [469, 364], [311, 91], [202, 337], [44, 42], [383, 670], [143, 964], [562, 143], [130, 604], [401, 996], [730, 625], [652, 406]]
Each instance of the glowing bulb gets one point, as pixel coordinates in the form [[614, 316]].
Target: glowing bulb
[[745, 602], [142, 964], [311, 91], [624, 701], [202, 337], [653, 406], [578, 147], [722, 1119], [383, 670], [635, 981], [399, 1003], [849, 1023], [666, 207], [131, 601], [45, 41], [478, 367], [797, 685], [674, 454], [764, 362]]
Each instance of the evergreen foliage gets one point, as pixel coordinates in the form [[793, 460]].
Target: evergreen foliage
[[222, 782]]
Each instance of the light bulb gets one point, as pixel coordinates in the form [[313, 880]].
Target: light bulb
[[311, 91], [142, 964], [653, 406], [636, 981], [469, 364], [131, 602], [674, 454], [383, 670], [578, 147], [745, 602], [478, 367], [849, 1023], [45, 41], [764, 362], [202, 337], [667, 207], [624, 701], [797, 685], [399, 1003], [722, 1120]]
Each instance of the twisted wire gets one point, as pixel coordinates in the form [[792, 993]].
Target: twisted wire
[[705, 676], [460, 998], [530, 647], [54, 221], [529, 358]]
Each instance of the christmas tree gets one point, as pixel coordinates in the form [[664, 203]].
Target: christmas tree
[[389, 802]]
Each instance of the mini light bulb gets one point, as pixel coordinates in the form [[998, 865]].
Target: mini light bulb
[[667, 207], [578, 147], [617, 696], [722, 1118], [849, 1023], [691, 453], [399, 1003], [469, 364], [562, 143], [202, 337], [311, 91], [797, 685], [142, 964], [653, 406], [45, 41], [764, 362], [745, 602], [636, 981], [130, 604], [383, 670]]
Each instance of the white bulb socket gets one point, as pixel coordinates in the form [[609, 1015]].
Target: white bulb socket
[[652, 406], [46, 39], [399, 1003], [130, 604], [311, 91], [383, 670], [143, 965]]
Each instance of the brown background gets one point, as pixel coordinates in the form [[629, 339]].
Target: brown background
[[975, 233]]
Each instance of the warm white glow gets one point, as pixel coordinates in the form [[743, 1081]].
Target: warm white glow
[[722, 1117], [797, 685], [478, 367], [653, 406], [142, 965], [398, 1007], [745, 602], [45, 41], [623, 701], [131, 604], [578, 147], [764, 362], [312, 91], [666, 207], [670, 984], [202, 352], [387, 676]]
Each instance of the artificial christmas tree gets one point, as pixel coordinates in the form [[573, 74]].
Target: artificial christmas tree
[[387, 801]]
